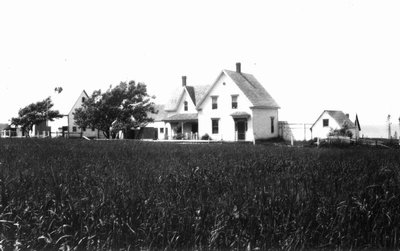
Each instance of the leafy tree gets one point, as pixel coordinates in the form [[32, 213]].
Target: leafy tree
[[35, 114], [120, 108]]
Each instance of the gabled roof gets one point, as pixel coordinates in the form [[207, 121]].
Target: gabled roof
[[87, 96], [251, 88], [174, 99], [195, 93], [160, 115], [338, 116], [357, 123], [3, 126]]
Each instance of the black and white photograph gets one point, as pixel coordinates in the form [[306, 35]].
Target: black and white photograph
[[200, 125]]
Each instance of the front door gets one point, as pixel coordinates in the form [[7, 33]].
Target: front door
[[195, 127], [241, 130]]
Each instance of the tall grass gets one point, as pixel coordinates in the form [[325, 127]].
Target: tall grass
[[125, 194]]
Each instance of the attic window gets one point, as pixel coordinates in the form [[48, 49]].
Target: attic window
[[214, 102], [234, 101], [83, 99], [325, 122], [185, 105]]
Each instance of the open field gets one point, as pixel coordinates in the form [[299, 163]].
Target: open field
[[144, 195]]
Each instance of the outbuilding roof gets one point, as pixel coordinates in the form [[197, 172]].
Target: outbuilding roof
[[160, 113], [339, 117]]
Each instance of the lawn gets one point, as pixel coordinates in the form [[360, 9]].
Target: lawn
[[144, 195]]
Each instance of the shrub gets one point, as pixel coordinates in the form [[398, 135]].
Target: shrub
[[206, 137], [179, 136]]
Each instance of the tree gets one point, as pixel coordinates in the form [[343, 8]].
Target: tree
[[123, 107], [343, 131], [35, 114]]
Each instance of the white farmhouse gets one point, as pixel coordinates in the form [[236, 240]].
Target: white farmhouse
[[73, 130], [331, 120], [236, 107]]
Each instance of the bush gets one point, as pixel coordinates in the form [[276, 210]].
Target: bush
[[179, 136], [205, 137]]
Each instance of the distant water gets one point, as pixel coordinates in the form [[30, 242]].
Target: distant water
[[378, 131]]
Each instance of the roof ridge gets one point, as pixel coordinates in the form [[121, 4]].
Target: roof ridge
[[242, 74]]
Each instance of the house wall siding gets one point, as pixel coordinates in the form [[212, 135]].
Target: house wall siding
[[262, 123], [223, 112], [319, 131]]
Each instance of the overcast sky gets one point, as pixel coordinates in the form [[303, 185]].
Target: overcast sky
[[309, 55]]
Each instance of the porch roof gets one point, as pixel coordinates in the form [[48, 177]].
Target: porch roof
[[181, 117], [240, 115]]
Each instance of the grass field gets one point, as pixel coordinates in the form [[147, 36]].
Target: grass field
[[143, 195]]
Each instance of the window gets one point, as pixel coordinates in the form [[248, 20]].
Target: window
[[234, 102], [325, 122], [272, 124], [84, 129], [185, 105], [83, 99], [74, 128], [214, 102], [161, 130], [92, 129], [214, 124]]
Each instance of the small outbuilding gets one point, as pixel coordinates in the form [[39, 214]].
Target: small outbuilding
[[331, 120]]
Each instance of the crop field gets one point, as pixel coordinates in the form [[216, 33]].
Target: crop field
[[73, 194]]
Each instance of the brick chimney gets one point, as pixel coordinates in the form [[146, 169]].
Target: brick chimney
[[347, 115], [183, 80], [238, 70]]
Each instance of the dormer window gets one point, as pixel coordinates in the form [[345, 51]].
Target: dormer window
[[234, 101], [185, 105], [214, 100]]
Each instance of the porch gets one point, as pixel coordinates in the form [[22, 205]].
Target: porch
[[184, 126], [240, 119]]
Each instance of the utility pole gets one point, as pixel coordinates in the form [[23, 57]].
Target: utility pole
[[399, 130], [389, 129]]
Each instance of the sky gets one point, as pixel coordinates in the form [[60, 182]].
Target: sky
[[310, 55]]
